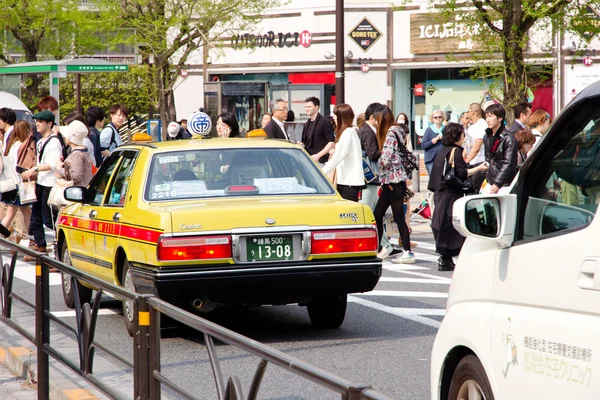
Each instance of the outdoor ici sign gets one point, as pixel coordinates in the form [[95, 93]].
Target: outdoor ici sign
[[271, 39]]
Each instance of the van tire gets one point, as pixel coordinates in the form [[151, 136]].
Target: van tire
[[68, 283], [468, 373], [327, 311]]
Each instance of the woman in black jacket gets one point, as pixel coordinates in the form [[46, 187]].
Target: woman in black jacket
[[448, 241]]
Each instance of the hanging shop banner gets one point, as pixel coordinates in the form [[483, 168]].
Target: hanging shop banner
[[365, 34], [430, 35]]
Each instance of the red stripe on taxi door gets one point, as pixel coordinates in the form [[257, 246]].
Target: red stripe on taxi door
[[101, 227]]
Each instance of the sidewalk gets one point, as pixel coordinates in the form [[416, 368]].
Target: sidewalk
[[13, 387]]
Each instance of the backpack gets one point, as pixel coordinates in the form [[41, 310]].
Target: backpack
[[65, 149], [27, 155], [113, 140]]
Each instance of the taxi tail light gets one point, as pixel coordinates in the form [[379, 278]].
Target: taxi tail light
[[194, 248], [344, 241]]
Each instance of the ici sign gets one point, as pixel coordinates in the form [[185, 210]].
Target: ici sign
[[271, 39]]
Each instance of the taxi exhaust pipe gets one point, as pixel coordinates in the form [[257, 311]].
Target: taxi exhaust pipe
[[203, 304]]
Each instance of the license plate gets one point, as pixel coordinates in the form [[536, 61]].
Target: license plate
[[268, 248]]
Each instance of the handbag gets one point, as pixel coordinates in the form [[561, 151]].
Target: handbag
[[449, 174], [8, 176], [407, 158], [27, 192], [367, 171], [26, 157], [56, 197]]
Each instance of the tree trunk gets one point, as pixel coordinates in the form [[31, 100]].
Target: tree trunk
[[31, 92], [515, 77]]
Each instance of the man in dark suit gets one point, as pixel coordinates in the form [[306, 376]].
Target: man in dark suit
[[522, 114], [317, 134], [275, 128]]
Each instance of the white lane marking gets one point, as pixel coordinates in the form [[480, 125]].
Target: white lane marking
[[26, 272], [416, 280], [401, 267], [418, 256], [420, 245], [399, 293], [71, 313], [432, 277], [400, 312]]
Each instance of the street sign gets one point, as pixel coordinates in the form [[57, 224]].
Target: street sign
[[587, 61], [365, 68], [96, 68], [431, 89], [419, 89], [365, 34], [586, 24], [199, 123], [305, 38]]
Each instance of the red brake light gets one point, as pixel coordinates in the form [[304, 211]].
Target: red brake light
[[344, 241], [194, 248]]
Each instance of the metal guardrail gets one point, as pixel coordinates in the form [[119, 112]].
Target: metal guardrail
[[146, 365]]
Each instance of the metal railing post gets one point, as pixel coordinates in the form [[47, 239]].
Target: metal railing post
[[154, 359], [42, 327], [141, 338]]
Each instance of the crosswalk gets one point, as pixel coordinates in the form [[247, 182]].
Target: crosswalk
[[409, 283]]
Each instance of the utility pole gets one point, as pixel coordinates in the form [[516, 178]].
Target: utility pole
[[340, 95]]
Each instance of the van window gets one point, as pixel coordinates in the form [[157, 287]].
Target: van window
[[567, 195]]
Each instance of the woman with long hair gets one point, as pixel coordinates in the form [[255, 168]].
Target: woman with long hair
[[20, 133], [392, 178], [347, 158], [525, 141], [227, 125], [404, 123]]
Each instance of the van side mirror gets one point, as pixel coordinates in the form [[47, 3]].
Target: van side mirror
[[482, 217], [490, 218]]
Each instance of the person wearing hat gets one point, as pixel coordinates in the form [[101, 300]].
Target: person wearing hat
[[77, 167], [49, 152]]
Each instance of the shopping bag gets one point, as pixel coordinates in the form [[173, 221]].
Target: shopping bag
[[56, 197], [27, 192], [8, 175]]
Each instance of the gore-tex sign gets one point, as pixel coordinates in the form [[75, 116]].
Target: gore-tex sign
[[271, 39], [365, 34]]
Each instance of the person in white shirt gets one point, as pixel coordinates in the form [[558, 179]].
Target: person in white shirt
[[476, 132], [49, 150], [347, 157]]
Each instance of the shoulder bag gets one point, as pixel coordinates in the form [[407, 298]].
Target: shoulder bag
[[370, 176], [407, 158], [449, 174], [8, 175]]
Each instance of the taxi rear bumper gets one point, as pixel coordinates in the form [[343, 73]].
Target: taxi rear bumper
[[255, 284]]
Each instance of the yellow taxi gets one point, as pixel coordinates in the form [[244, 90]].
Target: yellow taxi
[[217, 222]]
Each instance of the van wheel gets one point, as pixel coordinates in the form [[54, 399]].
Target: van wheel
[[128, 310], [469, 381], [68, 283], [327, 311]]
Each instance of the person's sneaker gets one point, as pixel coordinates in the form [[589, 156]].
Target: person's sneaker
[[384, 253], [395, 251], [407, 257]]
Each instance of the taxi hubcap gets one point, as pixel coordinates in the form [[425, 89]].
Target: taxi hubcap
[[129, 304], [66, 278]]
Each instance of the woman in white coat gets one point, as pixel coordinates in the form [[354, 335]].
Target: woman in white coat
[[347, 158]]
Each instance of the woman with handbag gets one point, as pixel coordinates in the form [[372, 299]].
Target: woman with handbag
[[393, 177], [448, 182], [76, 169], [21, 131], [347, 158]]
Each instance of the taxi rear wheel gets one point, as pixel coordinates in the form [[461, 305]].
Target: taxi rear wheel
[[127, 283], [327, 311], [68, 283], [469, 381]]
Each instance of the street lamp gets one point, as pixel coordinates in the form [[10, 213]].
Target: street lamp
[[339, 49]]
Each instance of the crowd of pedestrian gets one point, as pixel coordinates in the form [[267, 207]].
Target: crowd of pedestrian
[[37, 160]]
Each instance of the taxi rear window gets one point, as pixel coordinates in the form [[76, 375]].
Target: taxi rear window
[[190, 174]]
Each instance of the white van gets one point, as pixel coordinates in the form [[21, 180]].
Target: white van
[[523, 312], [9, 100]]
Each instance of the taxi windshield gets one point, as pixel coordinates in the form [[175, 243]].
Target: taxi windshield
[[190, 174]]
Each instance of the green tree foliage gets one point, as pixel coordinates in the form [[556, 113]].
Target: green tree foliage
[[500, 36], [49, 28], [132, 89], [169, 32]]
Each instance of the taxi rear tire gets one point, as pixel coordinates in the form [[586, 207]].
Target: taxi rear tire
[[469, 381], [128, 310], [327, 311], [69, 282]]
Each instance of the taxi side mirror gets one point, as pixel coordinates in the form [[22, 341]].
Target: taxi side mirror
[[75, 194], [490, 218]]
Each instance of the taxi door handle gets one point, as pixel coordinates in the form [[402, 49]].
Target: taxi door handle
[[93, 214], [117, 217]]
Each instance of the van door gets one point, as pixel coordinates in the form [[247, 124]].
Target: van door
[[546, 325]]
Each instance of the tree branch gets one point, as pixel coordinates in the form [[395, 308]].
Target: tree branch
[[485, 16]]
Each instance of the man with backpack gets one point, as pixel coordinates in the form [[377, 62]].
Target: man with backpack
[[49, 152], [109, 137]]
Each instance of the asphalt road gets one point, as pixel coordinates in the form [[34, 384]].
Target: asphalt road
[[385, 340]]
